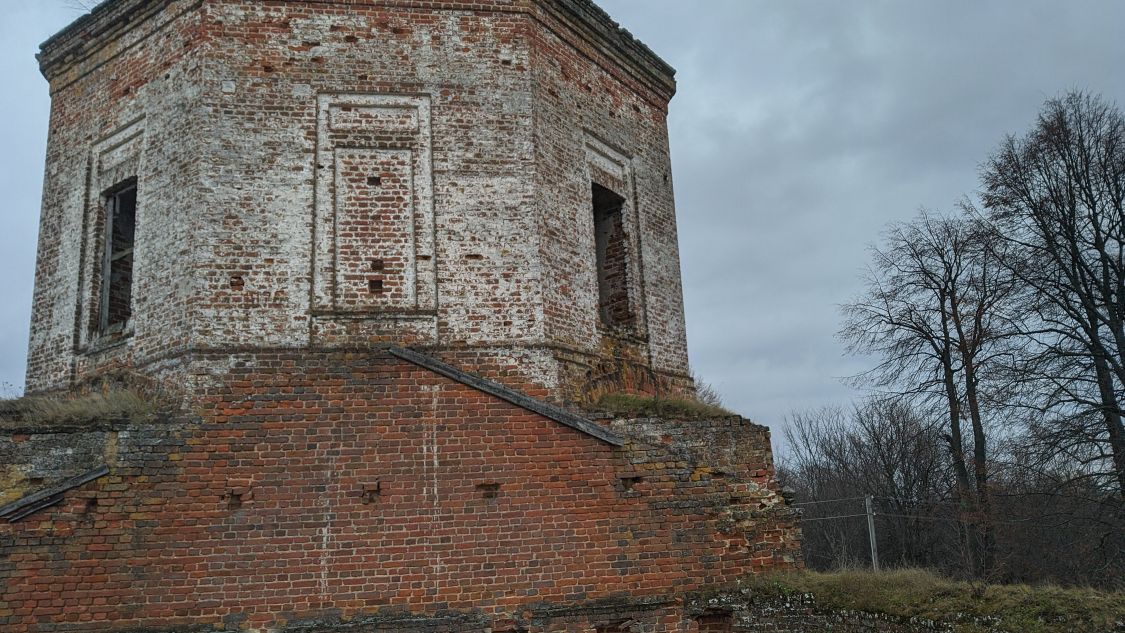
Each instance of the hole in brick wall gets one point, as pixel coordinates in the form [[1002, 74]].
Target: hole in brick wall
[[720, 474], [239, 494], [508, 626], [371, 492], [489, 490], [311, 44], [629, 483], [715, 623], [474, 257], [506, 62], [91, 505], [623, 626], [375, 181], [378, 265], [237, 282], [351, 39], [375, 286], [35, 481], [268, 68], [424, 258]]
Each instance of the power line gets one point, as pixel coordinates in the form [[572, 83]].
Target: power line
[[842, 516], [812, 503]]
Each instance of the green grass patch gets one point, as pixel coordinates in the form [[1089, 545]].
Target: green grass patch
[[631, 406], [970, 608]]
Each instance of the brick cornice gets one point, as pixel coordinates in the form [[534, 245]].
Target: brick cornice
[[111, 18]]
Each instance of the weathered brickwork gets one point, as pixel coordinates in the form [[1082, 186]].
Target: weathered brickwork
[[372, 242], [325, 173], [319, 486], [122, 104]]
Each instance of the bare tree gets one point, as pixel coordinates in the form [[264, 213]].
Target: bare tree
[[880, 448], [1055, 205], [933, 314]]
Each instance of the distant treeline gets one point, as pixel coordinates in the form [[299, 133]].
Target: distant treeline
[[991, 440]]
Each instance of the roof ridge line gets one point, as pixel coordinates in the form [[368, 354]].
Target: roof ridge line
[[508, 394]]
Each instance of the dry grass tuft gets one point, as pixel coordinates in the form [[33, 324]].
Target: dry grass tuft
[[631, 406], [116, 397]]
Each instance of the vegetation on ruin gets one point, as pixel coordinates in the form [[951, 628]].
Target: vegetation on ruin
[[111, 398], [967, 607], [625, 405]]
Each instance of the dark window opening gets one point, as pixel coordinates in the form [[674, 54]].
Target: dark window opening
[[612, 247], [117, 266]]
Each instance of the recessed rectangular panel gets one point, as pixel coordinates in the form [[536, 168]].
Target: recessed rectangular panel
[[374, 270], [375, 200]]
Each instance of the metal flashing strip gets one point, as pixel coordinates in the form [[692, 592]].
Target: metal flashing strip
[[521, 400], [48, 497]]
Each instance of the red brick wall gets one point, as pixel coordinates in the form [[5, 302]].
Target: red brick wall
[[321, 486]]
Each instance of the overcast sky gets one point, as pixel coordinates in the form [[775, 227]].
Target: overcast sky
[[800, 129]]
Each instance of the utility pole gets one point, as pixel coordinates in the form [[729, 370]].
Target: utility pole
[[871, 533]]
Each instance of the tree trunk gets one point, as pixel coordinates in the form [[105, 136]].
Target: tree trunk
[[1112, 418]]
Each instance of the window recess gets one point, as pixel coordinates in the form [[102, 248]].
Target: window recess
[[116, 302]]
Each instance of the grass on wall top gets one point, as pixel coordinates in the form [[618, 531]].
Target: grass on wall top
[[969, 608]]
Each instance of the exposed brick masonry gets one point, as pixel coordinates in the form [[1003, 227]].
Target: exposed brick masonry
[[319, 486], [320, 184], [344, 173]]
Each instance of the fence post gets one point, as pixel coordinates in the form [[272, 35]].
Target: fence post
[[871, 533]]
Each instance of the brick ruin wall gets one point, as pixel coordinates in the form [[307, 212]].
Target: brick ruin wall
[[316, 179], [311, 490], [609, 128], [264, 135], [131, 105]]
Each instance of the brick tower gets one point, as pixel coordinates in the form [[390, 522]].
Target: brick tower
[[370, 247], [488, 181]]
